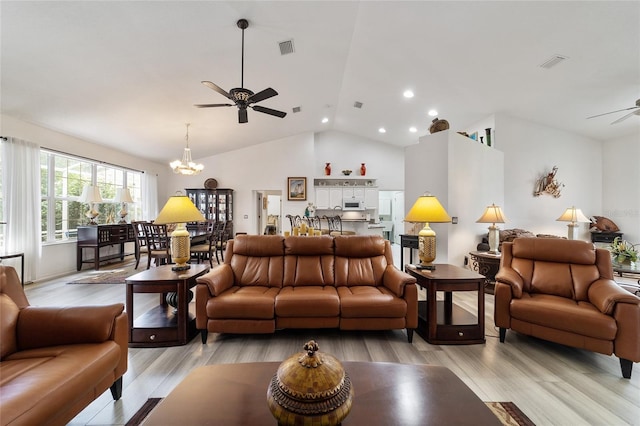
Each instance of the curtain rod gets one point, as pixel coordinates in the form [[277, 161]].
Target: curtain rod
[[92, 160]]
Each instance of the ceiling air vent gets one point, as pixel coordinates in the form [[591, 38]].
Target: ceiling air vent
[[357, 104], [286, 47], [297, 109], [553, 61]]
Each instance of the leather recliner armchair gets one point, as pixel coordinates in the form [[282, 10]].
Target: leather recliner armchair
[[563, 291], [54, 361]]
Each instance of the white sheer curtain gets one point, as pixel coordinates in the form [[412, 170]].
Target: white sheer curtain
[[22, 200], [149, 196]]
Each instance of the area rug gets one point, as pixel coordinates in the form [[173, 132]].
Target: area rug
[[107, 276], [507, 412]]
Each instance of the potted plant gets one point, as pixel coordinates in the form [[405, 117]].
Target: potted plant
[[622, 251]]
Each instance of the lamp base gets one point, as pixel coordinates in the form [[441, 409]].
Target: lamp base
[[181, 267], [426, 266]]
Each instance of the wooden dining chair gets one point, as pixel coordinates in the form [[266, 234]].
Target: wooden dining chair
[[140, 239], [157, 244], [206, 250], [222, 236]]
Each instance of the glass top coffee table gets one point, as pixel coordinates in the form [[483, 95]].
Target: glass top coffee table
[[632, 268]]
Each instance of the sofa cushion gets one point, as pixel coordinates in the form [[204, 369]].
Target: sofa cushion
[[257, 260], [247, 302], [370, 302], [9, 312], [552, 278], [576, 317], [359, 246], [38, 384], [308, 301], [555, 250]]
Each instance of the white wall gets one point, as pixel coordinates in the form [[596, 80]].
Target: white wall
[[530, 151], [60, 258], [261, 167], [621, 183], [384, 162], [465, 176], [266, 167]]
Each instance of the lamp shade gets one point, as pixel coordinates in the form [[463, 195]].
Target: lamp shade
[[179, 209], [90, 194], [427, 208], [492, 214], [573, 215], [123, 195]]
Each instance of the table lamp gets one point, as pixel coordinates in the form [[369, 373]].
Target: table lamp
[[91, 195], [123, 196], [573, 216], [427, 209], [179, 210], [493, 214]]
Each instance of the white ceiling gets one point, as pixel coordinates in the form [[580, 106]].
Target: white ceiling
[[126, 74]]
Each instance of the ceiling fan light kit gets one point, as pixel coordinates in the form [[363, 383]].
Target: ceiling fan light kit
[[243, 98]]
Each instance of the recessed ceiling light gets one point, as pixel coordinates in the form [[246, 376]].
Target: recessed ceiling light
[[382, 130], [413, 129], [408, 94], [432, 113], [325, 120]]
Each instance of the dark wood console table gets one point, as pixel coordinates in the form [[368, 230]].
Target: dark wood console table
[[410, 242], [486, 264], [97, 236], [441, 322]]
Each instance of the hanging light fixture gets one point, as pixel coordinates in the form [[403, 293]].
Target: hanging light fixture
[[186, 166]]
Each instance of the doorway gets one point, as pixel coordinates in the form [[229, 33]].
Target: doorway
[[268, 211]]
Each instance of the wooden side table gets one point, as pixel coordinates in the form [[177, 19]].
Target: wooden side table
[[441, 322], [161, 326], [408, 241], [487, 264]]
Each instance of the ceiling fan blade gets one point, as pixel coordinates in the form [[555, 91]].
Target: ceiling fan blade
[[242, 115], [261, 96], [269, 111], [612, 112], [212, 105], [627, 116], [217, 88]]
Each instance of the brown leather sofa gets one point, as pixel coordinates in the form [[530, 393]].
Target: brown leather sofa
[[563, 291], [269, 282], [55, 361]]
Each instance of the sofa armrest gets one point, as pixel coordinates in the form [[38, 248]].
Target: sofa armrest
[[39, 327], [605, 293], [217, 279], [510, 277], [395, 280]]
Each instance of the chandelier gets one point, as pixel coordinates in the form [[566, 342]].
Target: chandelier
[[186, 166]]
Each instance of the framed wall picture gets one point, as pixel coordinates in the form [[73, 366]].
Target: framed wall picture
[[297, 188]]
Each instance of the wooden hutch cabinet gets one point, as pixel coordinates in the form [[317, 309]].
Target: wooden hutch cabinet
[[214, 204]]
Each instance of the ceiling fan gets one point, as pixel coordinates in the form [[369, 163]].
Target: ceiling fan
[[243, 98], [635, 112]]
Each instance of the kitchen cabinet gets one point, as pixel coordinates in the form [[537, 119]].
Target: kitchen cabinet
[[371, 198]]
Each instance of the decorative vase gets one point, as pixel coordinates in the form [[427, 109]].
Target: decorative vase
[[488, 133], [438, 125], [172, 299], [481, 139], [363, 169], [327, 169], [310, 388]]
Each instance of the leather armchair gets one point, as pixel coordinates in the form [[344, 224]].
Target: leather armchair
[[563, 291], [54, 361]]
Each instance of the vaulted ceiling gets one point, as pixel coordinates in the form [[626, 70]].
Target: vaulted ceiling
[[126, 74]]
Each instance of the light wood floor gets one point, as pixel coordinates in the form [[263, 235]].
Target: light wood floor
[[550, 383]]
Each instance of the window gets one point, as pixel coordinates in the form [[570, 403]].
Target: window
[[64, 176]]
